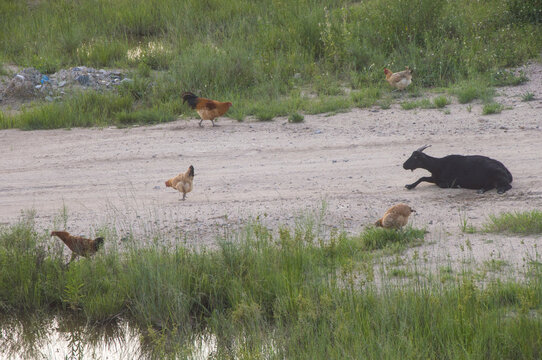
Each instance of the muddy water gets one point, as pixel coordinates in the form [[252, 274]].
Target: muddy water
[[56, 339]]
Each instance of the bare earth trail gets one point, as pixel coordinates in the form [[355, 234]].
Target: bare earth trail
[[351, 161]]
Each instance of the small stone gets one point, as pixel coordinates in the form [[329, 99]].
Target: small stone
[[318, 132], [61, 84], [48, 98], [157, 187], [126, 80], [38, 86]]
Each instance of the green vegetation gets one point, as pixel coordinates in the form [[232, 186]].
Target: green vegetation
[[441, 101], [528, 96], [296, 118], [465, 226], [438, 103], [524, 223], [507, 78], [260, 53], [292, 294], [492, 108], [471, 90], [378, 238], [366, 97], [423, 103], [495, 265]]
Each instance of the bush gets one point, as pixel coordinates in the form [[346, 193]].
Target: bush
[[441, 101], [492, 108], [296, 118]]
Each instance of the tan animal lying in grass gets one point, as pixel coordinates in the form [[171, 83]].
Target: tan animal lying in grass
[[182, 182], [396, 217]]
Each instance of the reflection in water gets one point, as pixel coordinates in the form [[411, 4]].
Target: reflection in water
[[68, 338]]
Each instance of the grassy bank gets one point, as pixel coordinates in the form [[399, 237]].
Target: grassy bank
[[290, 295], [265, 56]]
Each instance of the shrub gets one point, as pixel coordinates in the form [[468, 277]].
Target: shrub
[[492, 108], [296, 118], [441, 101]]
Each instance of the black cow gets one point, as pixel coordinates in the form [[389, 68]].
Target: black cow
[[459, 171]]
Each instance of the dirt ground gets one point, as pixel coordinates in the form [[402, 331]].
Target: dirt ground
[[351, 162]]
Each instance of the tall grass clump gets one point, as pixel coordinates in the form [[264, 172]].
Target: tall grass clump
[[468, 91], [524, 223], [284, 293], [81, 110], [492, 108], [378, 238]]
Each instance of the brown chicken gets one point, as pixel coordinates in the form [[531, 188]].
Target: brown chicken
[[79, 245], [396, 217], [207, 109], [183, 181], [399, 80]]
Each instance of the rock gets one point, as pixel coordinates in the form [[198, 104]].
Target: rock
[[48, 98], [126, 80], [62, 83]]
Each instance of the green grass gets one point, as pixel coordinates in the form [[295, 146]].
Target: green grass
[[528, 96], [296, 118], [256, 53], [441, 101], [524, 223], [81, 110], [492, 108], [495, 265], [508, 78], [423, 104], [366, 97], [468, 91], [379, 238], [287, 294]]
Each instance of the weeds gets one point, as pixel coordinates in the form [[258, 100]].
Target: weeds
[[507, 78], [465, 226], [379, 238], [469, 91], [441, 101], [524, 223], [423, 103], [528, 96], [495, 265], [296, 118], [492, 108]]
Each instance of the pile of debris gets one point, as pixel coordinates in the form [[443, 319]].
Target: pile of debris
[[30, 84]]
